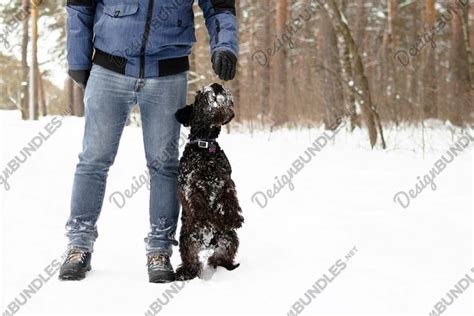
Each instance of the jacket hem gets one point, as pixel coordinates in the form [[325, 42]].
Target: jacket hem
[[166, 67]]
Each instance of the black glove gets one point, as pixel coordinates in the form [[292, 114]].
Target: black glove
[[224, 64], [80, 77]]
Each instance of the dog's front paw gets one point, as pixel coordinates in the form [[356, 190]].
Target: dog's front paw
[[219, 262], [187, 273]]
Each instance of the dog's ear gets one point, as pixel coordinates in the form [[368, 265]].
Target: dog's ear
[[185, 115]]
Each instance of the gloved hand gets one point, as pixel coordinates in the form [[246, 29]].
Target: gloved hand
[[80, 77], [224, 64]]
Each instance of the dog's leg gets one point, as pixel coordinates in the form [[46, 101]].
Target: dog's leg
[[190, 267], [233, 216], [226, 248]]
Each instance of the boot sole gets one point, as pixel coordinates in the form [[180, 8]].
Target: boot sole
[[73, 275], [161, 277]]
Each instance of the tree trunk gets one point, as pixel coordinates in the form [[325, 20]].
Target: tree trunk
[[459, 72], [390, 46], [69, 90], [42, 96], [368, 108], [266, 75], [334, 108], [78, 103], [34, 106], [430, 104], [414, 97], [467, 44], [25, 5], [281, 104]]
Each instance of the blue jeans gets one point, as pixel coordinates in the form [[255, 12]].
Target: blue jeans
[[108, 99]]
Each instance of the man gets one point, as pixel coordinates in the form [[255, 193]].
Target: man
[[123, 53]]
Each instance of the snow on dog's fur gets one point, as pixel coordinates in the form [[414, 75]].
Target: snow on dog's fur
[[211, 212]]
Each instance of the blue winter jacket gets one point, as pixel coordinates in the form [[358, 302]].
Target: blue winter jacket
[[144, 38]]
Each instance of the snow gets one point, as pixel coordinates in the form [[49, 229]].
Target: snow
[[343, 19], [221, 98], [403, 260], [380, 14]]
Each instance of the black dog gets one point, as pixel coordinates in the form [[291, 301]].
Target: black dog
[[211, 211]]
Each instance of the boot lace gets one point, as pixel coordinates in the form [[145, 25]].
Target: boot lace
[[76, 255], [158, 261]]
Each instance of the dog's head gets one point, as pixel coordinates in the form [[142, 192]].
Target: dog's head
[[212, 108]]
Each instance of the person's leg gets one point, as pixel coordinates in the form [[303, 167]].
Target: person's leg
[[159, 99], [108, 99]]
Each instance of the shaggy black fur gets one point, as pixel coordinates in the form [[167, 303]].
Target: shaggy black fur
[[211, 211]]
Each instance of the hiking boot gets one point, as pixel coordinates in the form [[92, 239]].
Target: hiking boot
[[160, 269], [75, 266]]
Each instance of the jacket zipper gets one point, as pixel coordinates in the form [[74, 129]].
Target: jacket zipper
[[218, 30], [146, 33]]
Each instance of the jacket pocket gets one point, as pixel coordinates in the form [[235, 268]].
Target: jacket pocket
[[171, 26], [121, 10], [169, 15], [171, 36], [118, 30]]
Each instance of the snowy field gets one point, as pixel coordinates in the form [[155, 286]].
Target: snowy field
[[338, 231]]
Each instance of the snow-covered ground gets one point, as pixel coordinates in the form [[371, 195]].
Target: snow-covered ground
[[399, 261]]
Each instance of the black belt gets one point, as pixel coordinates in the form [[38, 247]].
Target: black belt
[[166, 67]]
